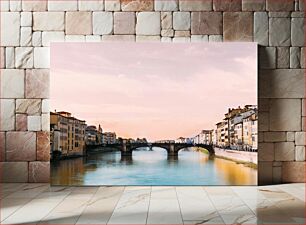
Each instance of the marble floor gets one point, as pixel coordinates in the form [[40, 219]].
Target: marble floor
[[42, 204]]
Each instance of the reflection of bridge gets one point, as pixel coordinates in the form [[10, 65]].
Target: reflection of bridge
[[172, 148]]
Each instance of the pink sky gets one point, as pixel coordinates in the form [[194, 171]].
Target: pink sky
[[152, 90]]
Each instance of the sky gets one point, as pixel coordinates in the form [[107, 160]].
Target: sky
[[159, 91]]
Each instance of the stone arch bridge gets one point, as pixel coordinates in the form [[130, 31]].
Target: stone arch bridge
[[171, 148]]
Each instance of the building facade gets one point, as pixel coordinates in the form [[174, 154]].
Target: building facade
[[204, 137], [93, 135], [237, 131], [109, 138], [67, 134]]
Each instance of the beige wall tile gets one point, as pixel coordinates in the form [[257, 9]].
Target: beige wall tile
[[238, 26], [28, 106], [275, 136], [112, 5], [39, 172], [10, 28], [181, 21], [48, 21], [137, 5], [253, 5], [56, 5], [2, 146], [34, 5], [14, 172], [148, 23], [7, 114], [24, 57], [34, 123], [37, 83], [91, 5], [265, 152], [206, 23], [124, 22], [21, 122], [227, 5], [281, 83], [197, 5], [78, 23], [169, 5], [293, 172], [284, 151], [285, 115], [280, 5], [43, 146], [12, 83], [20, 146], [102, 23]]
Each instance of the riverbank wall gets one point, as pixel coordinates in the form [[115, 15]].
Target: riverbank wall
[[242, 156]]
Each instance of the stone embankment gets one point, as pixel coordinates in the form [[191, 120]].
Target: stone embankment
[[237, 155]]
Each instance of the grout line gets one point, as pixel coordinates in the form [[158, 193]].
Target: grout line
[[217, 211], [149, 205], [2, 219], [29, 203], [116, 204], [88, 201], [55, 206], [179, 205], [248, 205]]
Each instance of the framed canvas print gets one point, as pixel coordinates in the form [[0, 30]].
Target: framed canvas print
[[153, 114]]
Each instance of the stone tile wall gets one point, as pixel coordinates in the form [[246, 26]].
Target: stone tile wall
[[28, 27]]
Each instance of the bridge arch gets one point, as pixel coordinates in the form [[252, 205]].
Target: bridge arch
[[209, 148], [171, 148], [137, 147]]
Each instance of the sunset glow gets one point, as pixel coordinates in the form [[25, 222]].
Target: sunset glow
[[153, 90]]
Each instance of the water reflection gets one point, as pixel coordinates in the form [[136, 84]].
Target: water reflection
[[151, 168]]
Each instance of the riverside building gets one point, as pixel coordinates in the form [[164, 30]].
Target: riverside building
[[67, 135]]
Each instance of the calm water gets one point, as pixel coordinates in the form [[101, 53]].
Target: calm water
[[151, 168]]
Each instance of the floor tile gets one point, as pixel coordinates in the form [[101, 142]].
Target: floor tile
[[9, 188], [100, 208], [45, 204], [195, 204], [294, 190], [32, 212], [163, 193], [213, 218], [29, 191], [69, 210], [164, 207], [8, 206], [132, 207], [248, 192]]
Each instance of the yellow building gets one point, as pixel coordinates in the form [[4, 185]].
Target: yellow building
[[67, 134]]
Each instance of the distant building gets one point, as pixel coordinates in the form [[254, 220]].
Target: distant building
[[238, 130], [67, 134], [222, 133], [205, 137], [254, 125], [109, 138], [250, 132], [165, 141], [181, 140], [94, 136], [141, 140]]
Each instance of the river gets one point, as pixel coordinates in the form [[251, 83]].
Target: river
[[151, 168]]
